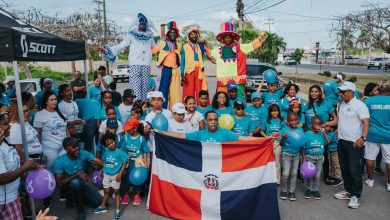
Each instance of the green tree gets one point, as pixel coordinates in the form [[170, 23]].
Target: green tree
[[297, 55], [209, 36]]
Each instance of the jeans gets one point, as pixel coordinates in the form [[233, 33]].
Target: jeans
[[290, 163], [88, 134], [313, 184], [350, 163], [81, 193]]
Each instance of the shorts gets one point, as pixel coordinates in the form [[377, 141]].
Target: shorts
[[372, 149], [11, 210], [110, 182]]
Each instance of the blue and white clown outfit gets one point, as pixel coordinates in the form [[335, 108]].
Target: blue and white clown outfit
[[140, 55]]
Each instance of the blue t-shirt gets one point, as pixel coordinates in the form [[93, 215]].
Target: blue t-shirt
[[38, 96], [88, 109], [256, 114], [103, 115], [113, 161], [4, 100], [219, 136], [332, 146], [379, 109], [227, 110], [203, 110], [287, 146], [301, 118], [323, 111], [273, 127], [331, 92], [134, 147], [95, 93], [68, 167], [314, 143], [273, 98], [243, 126]]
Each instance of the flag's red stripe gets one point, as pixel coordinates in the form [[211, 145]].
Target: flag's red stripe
[[243, 155], [175, 202]]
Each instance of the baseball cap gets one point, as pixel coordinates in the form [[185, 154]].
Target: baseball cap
[[112, 123], [338, 76], [128, 93], [69, 141], [347, 86], [9, 79], [239, 104], [232, 86], [131, 123], [256, 95], [157, 94], [179, 108], [47, 80]]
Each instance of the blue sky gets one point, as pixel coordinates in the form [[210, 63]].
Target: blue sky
[[291, 18]]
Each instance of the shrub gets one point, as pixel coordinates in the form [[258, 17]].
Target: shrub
[[327, 73]]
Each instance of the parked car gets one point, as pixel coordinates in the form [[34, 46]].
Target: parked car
[[387, 66], [32, 85], [378, 62], [121, 72], [290, 61], [254, 78], [350, 57]]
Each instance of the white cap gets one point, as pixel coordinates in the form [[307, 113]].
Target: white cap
[[338, 76], [179, 108], [9, 79], [157, 94], [149, 95], [347, 86]]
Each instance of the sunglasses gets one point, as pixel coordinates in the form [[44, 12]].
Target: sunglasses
[[240, 108], [343, 91]]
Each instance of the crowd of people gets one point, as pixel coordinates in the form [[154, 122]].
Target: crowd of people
[[111, 133]]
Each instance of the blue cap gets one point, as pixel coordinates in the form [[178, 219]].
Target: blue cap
[[142, 19], [256, 95], [232, 86]]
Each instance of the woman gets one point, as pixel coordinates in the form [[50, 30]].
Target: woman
[[69, 108], [29, 99], [51, 126], [290, 92], [46, 85], [371, 89], [33, 146]]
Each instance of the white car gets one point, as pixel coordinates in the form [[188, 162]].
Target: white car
[[121, 72], [32, 85], [378, 62]]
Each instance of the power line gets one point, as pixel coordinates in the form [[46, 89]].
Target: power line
[[267, 7], [303, 16]]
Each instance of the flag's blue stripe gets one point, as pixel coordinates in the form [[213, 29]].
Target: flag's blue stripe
[[251, 204], [178, 152]]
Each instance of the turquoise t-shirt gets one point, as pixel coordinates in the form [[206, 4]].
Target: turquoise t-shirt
[[273, 98], [332, 146], [134, 147], [287, 146], [301, 119], [38, 96], [95, 93], [152, 83], [256, 114], [204, 110], [103, 115], [113, 161], [331, 92], [379, 109], [88, 109], [314, 143], [227, 110], [273, 127], [219, 136], [68, 167], [4, 100], [243, 126], [323, 111]]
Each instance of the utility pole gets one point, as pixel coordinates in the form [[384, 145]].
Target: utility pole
[[105, 32], [269, 23], [343, 32], [240, 13]]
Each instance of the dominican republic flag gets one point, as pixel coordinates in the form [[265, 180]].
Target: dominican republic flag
[[196, 180]]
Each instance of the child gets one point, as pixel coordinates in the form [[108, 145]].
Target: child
[[115, 162], [116, 96], [242, 124], [335, 171], [95, 91], [134, 145], [296, 107], [272, 96], [106, 100], [314, 152], [194, 117], [290, 159], [232, 89], [126, 105], [221, 104], [204, 101], [110, 114], [111, 126], [178, 123], [256, 112], [157, 100], [270, 127]]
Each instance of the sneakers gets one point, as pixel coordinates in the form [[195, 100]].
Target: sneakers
[[137, 200], [337, 182], [292, 196], [379, 172], [283, 195], [62, 199], [117, 214], [354, 202], [308, 194], [317, 195], [125, 199], [369, 183], [388, 187], [343, 195], [99, 210]]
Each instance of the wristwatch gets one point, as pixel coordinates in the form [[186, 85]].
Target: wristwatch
[[364, 138]]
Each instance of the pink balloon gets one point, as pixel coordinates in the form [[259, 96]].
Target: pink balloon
[[40, 184]]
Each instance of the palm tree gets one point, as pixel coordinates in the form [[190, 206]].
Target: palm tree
[[363, 39]]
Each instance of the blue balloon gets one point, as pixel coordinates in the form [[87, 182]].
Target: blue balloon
[[160, 122], [296, 137], [270, 76], [138, 176]]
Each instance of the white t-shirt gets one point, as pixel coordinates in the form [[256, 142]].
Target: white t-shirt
[[15, 137], [178, 127], [350, 114], [9, 161], [53, 128], [108, 80], [70, 110], [103, 127], [194, 119], [125, 111], [149, 117]]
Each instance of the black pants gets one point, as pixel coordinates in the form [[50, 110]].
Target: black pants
[[350, 163], [82, 193], [325, 165], [88, 134]]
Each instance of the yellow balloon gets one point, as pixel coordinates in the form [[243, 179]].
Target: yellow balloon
[[226, 121]]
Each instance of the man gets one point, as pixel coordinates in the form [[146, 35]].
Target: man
[[192, 66], [212, 134], [140, 40], [10, 90], [105, 79], [331, 89], [231, 58], [69, 170], [379, 132], [232, 89], [353, 124], [78, 86]]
